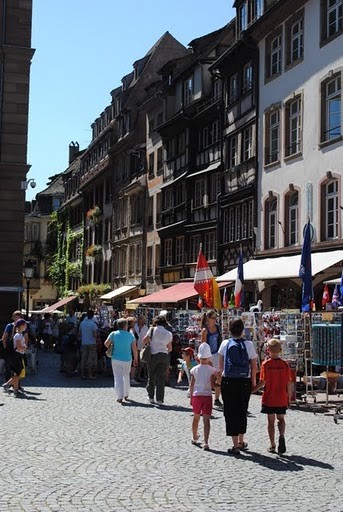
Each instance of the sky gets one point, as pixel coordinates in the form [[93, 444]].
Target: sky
[[83, 49]]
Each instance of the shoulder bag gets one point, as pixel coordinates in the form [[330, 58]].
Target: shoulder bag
[[145, 353]]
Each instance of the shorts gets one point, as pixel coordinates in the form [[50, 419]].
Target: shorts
[[202, 405], [17, 365], [273, 410]]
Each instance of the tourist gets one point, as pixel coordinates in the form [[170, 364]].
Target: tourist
[[187, 364], [211, 334], [6, 338], [88, 333], [16, 359], [141, 330], [160, 340], [237, 364], [203, 379], [276, 379], [124, 346]]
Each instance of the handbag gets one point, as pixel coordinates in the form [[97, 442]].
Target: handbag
[[109, 350], [145, 353]]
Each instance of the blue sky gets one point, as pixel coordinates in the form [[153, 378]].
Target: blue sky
[[83, 48]]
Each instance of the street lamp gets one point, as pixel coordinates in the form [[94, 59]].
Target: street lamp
[[28, 274]]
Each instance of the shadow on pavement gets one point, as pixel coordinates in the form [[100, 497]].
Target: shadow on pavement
[[275, 463], [305, 461]]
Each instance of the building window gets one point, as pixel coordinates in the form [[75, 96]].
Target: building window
[[194, 248], [168, 251], [259, 8], [149, 260], [293, 127], [159, 118], [233, 151], [151, 126], [198, 193], [273, 63], [247, 144], [333, 17], [233, 88], [188, 90], [214, 187], [210, 246], [272, 138], [168, 199], [331, 209], [217, 89], [160, 160], [271, 223], [179, 250], [297, 41], [247, 77], [243, 16], [151, 164], [331, 108], [292, 218]]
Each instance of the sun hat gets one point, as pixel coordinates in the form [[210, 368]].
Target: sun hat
[[204, 351]]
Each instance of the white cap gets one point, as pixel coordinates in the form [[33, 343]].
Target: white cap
[[204, 351], [164, 312]]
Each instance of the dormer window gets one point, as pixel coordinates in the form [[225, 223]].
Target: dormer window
[[188, 90], [243, 17]]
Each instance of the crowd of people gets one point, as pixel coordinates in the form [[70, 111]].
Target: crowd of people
[[227, 368]]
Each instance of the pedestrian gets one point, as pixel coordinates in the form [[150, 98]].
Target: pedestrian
[[276, 378], [238, 366], [211, 334], [187, 364], [124, 347], [141, 330], [160, 340], [203, 379], [55, 328], [6, 338], [47, 331], [17, 365], [88, 333]]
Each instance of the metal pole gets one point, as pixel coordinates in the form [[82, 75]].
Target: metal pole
[[27, 297]]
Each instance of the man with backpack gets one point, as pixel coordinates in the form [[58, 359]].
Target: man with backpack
[[7, 341], [238, 366]]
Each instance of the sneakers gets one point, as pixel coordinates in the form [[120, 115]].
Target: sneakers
[[159, 402], [151, 400], [218, 403], [6, 388], [282, 445]]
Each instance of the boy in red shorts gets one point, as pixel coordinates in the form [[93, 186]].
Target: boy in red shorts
[[276, 379], [203, 379]]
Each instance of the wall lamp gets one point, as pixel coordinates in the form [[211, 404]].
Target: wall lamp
[[26, 183]]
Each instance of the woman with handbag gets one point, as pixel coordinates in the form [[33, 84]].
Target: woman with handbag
[[123, 345], [160, 340]]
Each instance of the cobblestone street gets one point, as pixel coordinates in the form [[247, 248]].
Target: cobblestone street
[[70, 447]]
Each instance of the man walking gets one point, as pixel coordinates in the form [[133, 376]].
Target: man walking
[[88, 332]]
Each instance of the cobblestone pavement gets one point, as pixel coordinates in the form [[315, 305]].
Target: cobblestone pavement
[[70, 447]]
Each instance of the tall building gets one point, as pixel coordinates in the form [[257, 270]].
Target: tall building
[[15, 60]]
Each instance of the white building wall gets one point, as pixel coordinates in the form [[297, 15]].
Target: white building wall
[[305, 77]]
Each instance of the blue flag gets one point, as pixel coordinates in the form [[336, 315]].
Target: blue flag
[[305, 271], [341, 290]]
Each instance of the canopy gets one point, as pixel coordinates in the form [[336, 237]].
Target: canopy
[[59, 304], [176, 293], [333, 281], [282, 267], [119, 292]]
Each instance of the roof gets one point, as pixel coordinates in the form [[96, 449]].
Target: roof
[[56, 187], [284, 267]]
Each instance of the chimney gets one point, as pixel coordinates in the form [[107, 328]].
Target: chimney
[[73, 151]]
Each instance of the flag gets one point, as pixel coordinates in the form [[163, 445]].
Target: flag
[[200, 303], [326, 295], [225, 299], [205, 284], [335, 297], [341, 290], [232, 300], [305, 270], [239, 287]]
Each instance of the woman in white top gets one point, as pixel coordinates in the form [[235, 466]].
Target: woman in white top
[[160, 340]]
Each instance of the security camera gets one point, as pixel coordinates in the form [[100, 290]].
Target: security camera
[[33, 184]]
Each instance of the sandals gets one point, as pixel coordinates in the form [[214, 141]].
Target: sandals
[[282, 445], [271, 449], [234, 451], [205, 447], [243, 446], [196, 440]]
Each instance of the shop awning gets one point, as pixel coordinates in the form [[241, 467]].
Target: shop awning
[[177, 293], [59, 304], [119, 292], [283, 267]]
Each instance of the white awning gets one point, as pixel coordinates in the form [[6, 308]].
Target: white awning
[[333, 281], [282, 267], [210, 168], [118, 292]]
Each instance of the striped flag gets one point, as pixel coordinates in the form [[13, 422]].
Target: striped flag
[[205, 284], [200, 304], [341, 290], [335, 297], [326, 296], [239, 285], [225, 299]]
